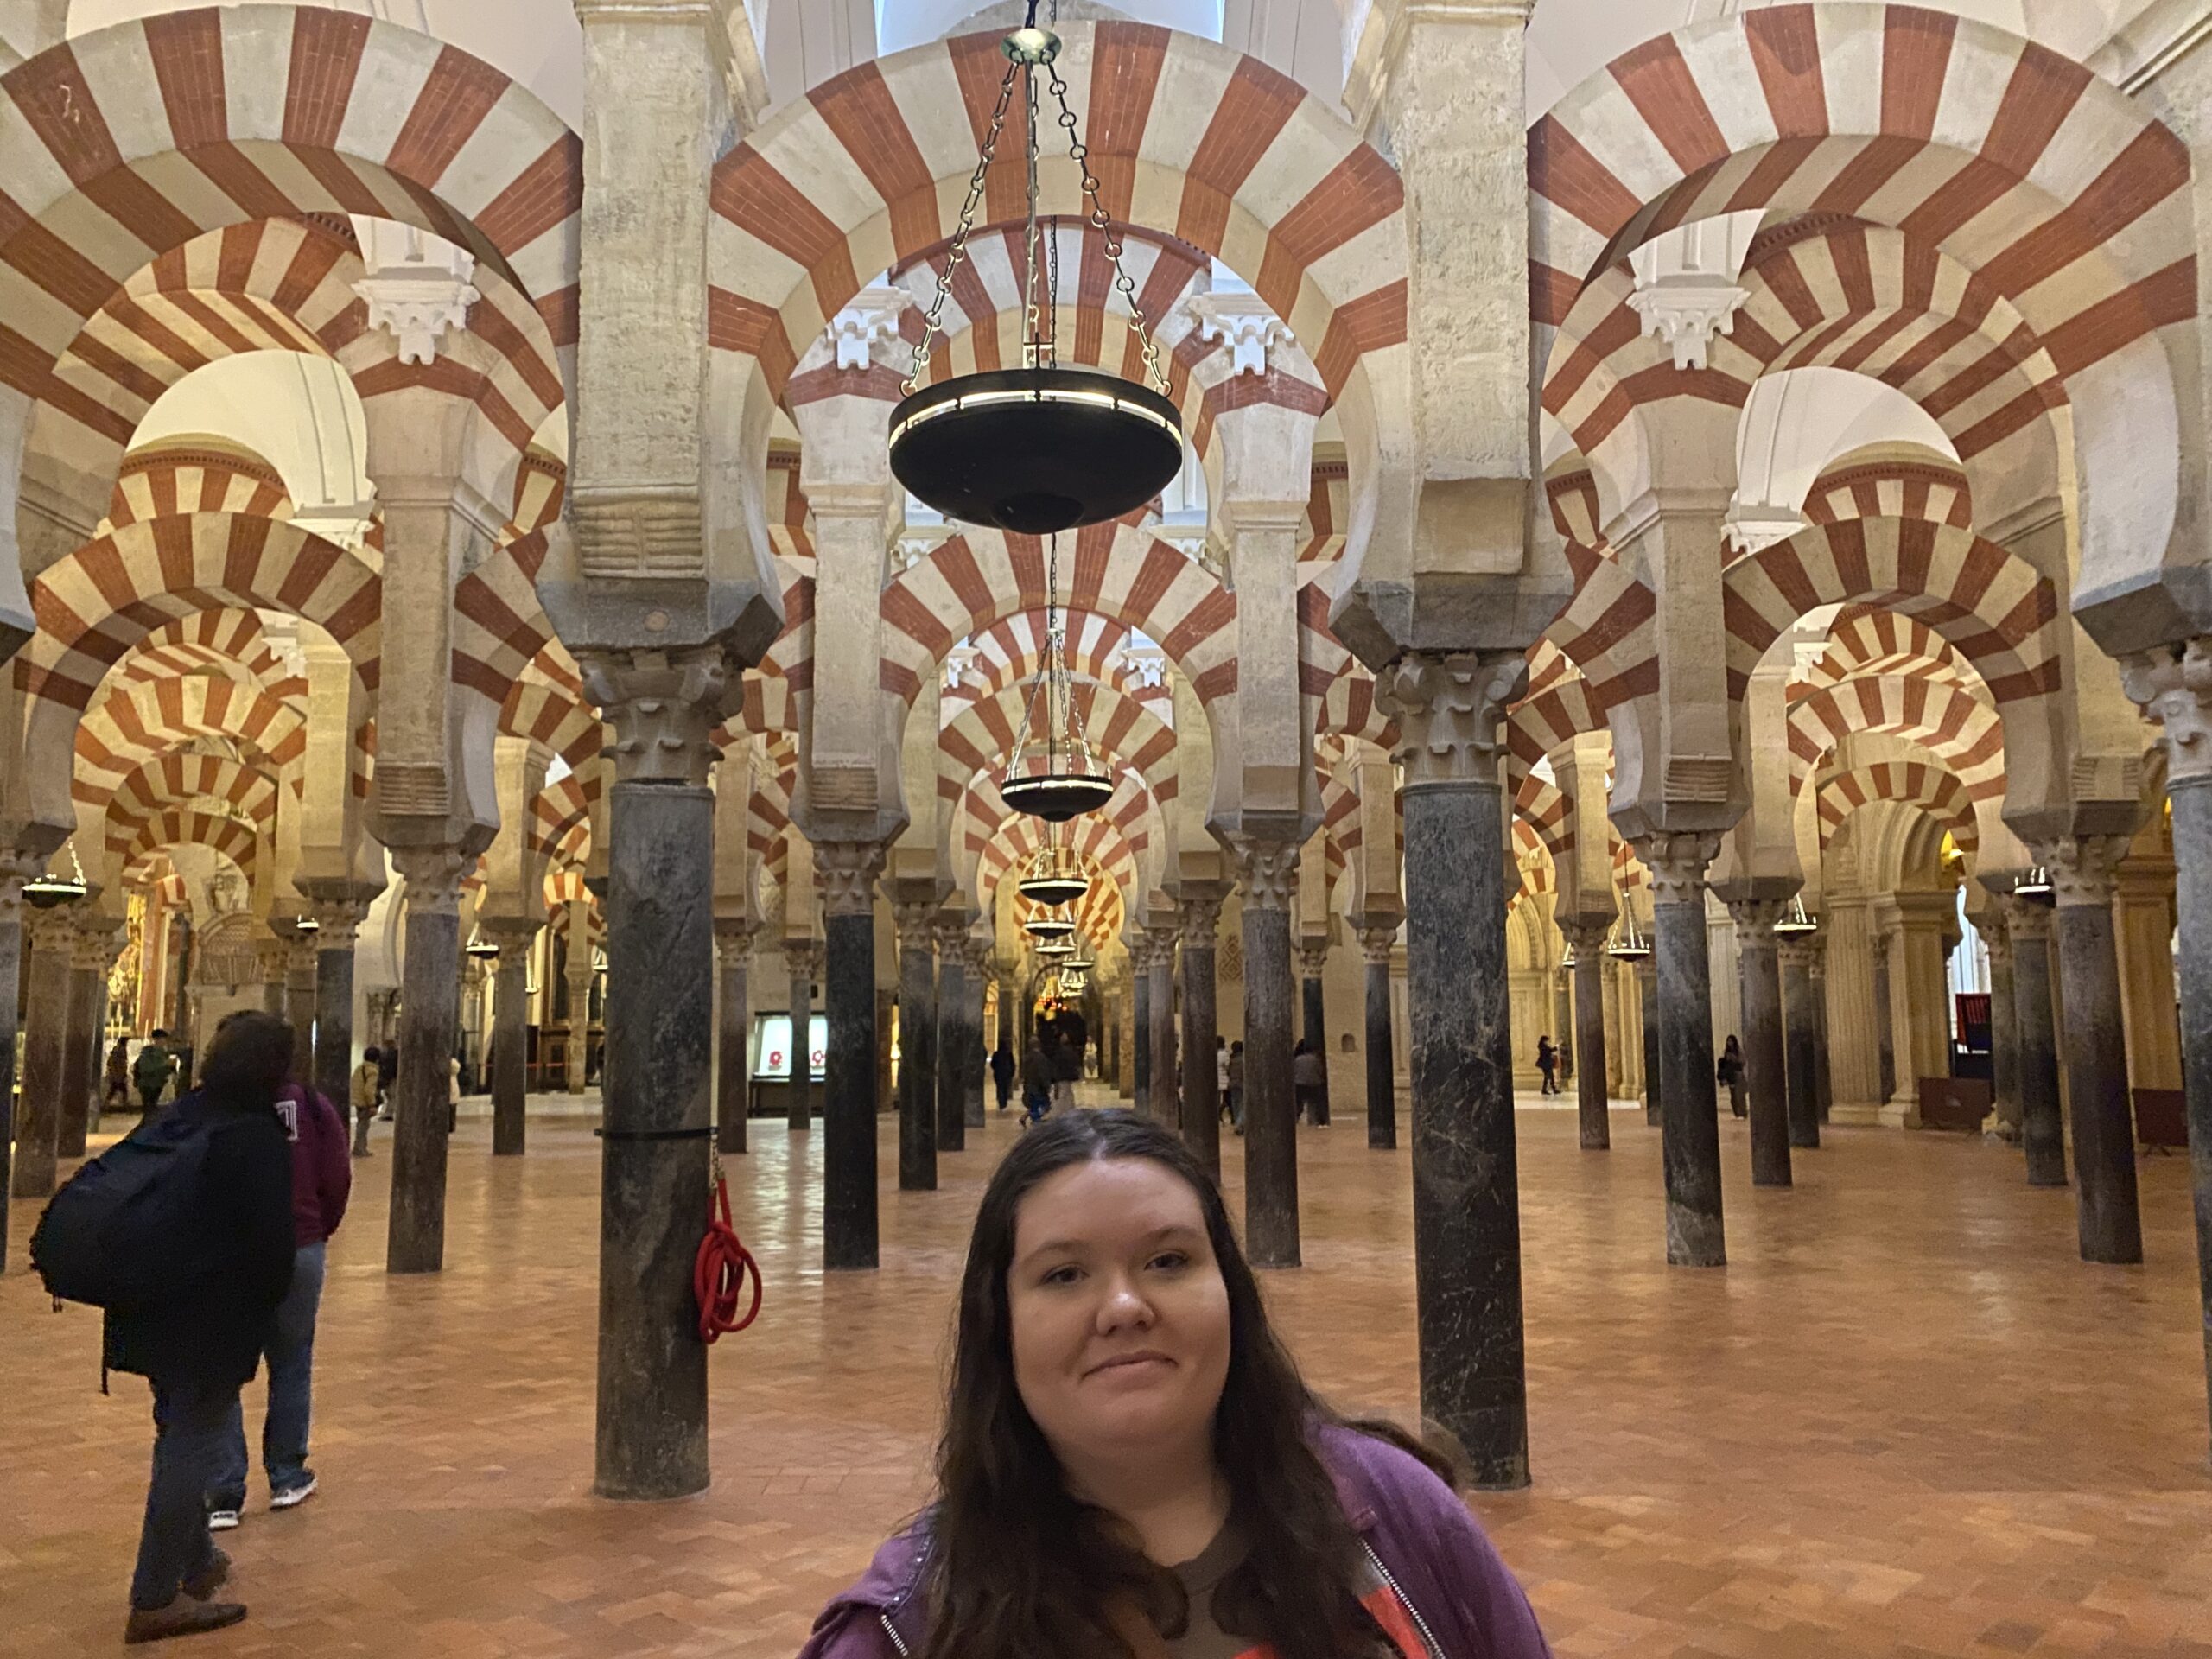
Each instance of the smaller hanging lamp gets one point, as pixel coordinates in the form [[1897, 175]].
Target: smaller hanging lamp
[[2035, 884], [1630, 945], [481, 948], [1049, 925], [1052, 948], [1073, 979], [1795, 925], [1054, 876], [46, 890]]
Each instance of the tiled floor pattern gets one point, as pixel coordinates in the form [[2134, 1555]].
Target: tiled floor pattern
[[1907, 1420]]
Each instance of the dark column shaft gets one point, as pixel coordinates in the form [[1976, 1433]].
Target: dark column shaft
[[953, 1041], [917, 1059], [1696, 1234], [1313, 1028], [78, 1070], [38, 1117], [1884, 1032], [1765, 1060], [2043, 1134], [732, 1086], [334, 1016], [1141, 971], [1799, 1047], [1167, 1084], [1823, 1075], [1466, 1180], [2191, 794], [416, 1237], [975, 1069], [510, 1037], [1382, 1060], [849, 1105], [1647, 985], [1201, 1079], [799, 1109], [1594, 1120], [11, 961], [2096, 1085], [1271, 1232], [2004, 1030], [651, 1440]]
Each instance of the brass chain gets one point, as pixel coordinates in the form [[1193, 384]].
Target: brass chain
[[1102, 223], [958, 249]]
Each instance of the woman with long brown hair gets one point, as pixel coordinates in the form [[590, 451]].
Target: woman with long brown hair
[[1133, 1468]]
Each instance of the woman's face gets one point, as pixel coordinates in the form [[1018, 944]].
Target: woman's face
[[1120, 1317]]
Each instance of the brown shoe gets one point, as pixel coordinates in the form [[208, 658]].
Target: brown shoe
[[182, 1617], [210, 1578]]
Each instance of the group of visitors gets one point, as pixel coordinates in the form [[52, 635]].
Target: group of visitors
[[201, 1235], [1728, 1072], [1228, 1079]]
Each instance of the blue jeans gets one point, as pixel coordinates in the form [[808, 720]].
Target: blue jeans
[[189, 1417], [291, 1390]]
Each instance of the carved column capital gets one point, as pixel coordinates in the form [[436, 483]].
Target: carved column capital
[[1677, 861], [2083, 869], [512, 934], [15, 868], [1312, 959], [337, 921], [1160, 949], [847, 872], [1267, 871], [2174, 685], [2027, 921], [1757, 917], [1200, 915], [1799, 951], [803, 957], [275, 956], [916, 920], [952, 940], [1449, 711], [2000, 942], [1587, 934], [1376, 943], [93, 948], [663, 706], [434, 875]]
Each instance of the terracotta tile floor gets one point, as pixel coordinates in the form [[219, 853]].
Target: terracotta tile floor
[[1907, 1420]]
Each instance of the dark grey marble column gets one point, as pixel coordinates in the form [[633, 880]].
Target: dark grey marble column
[[13, 874], [1267, 882], [511, 1036], [46, 1023], [1696, 1237], [803, 961], [338, 926], [2004, 1029], [2082, 874], [80, 1032], [1201, 916], [416, 1234], [847, 871], [977, 954], [1313, 1021], [303, 989], [954, 1039], [2043, 1134], [1593, 1115], [1376, 942], [734, 1016], [1823, 1076], [917, 923], [1885, 1033], [1647, 986], [1800, 1048], [1140, 949], [1166, 1083], [1766, 1067], [1466, 1161], [654, 1147]]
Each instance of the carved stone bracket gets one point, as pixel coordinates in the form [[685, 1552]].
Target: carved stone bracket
[[663, 707], [1678, 860], [93, 947], [916, 922], [1200, 914], [2084, 868], [1999, 943], [2027, 920], [1586, 933], [510, 933], [337, 920], [1267, 871], [983, 957], [2175, 688], [1450, 712], [1756, 916], [434, 875], [847, 872], [1798, 952], [1312, 959], [734, 934]]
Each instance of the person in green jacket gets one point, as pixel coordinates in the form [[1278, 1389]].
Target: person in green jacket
[[149, 1072]]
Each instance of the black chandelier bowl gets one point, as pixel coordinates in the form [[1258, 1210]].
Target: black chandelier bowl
[[1054, 889], [1056, 797], [45, 891], [1035, 451], [1048, 927]]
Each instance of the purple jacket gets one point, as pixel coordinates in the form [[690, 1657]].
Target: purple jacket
[[1417, 1528], [322, 1170]]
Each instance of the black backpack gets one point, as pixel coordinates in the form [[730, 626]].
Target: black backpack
[[126, 1230]]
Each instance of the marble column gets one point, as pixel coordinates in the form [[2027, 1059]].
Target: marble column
[[1313, 966], [847, 871], [1200, 912], [1376, 942], [275, 956], [79, 1070], [1799, 1047], [46, 1023], [1465, 1162], [2142, 928], [338, 925], [1140, 952], [803, 961], [15, 870], [1592, 1112], [1167, 1086], [734, 1019], [580, 977], [510, 1034], [2175, 687], [1766, 1065], [302, 986], [1823, 1065], [2082, 876], [978, 955], [917, 923], [955, 1036], [1647, 986], [1886, 1045], [2004, 1029], [2043, 1134], [429, 985], [1688, 1114], [1267, 872]]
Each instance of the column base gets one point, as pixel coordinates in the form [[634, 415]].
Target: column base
[[1858, 1113]]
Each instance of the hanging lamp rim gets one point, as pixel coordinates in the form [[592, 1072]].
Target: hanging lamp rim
[[1057, 797]]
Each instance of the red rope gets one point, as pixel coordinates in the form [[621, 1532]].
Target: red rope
[[719, 1275]]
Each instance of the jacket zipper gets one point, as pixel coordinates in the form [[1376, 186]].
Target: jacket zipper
[[893, 1634], [1435, 1647]]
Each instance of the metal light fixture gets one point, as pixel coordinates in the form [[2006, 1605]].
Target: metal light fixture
[[1039, 448], [1073, 979], [1069, 782], [306, 924], [1794, 923], [2035, 884], [46, 890], [1054, 949], [1049, 925], [481, 948], [1567, 960], [1055, 877], [1628, 945]]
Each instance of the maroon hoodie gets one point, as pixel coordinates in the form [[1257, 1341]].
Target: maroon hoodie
[[322, 1172]]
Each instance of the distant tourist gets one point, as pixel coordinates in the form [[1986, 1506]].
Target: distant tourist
[[1730, 1071], [149, 1072], [366, 1089], [1065, 1059], [1221, 1076], [1548, 1063], [1002, 1071], [1037, 1077], [1236, 1085], [323, 1180], [1131, 1463], [387, 1080], [1309, 1081], [115, 1087]]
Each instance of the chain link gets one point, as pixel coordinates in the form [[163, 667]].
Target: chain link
[[958, 249], [1102, 223]]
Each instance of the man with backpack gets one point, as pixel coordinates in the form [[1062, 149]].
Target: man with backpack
[[183, 1232], [149, 1072], [323, 1180]]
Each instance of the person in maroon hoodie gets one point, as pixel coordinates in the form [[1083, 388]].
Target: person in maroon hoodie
[[323, 1180]]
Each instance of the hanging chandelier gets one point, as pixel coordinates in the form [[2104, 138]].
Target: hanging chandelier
[[1796, 923], [1039, 448], [1055, 877], [1073, 978], [1054, 924], [1052, 948], [45, 891], [1630, 945]]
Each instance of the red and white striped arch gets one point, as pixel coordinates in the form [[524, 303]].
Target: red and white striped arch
[[205, 782], [551, 714], [136, 722], [1010, 652], [866, 171], [183, 826], [1869, 641], [1914, 784], [1959, 730], [161, 483], [1118, 728], [225, 642], [1892, 489]]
